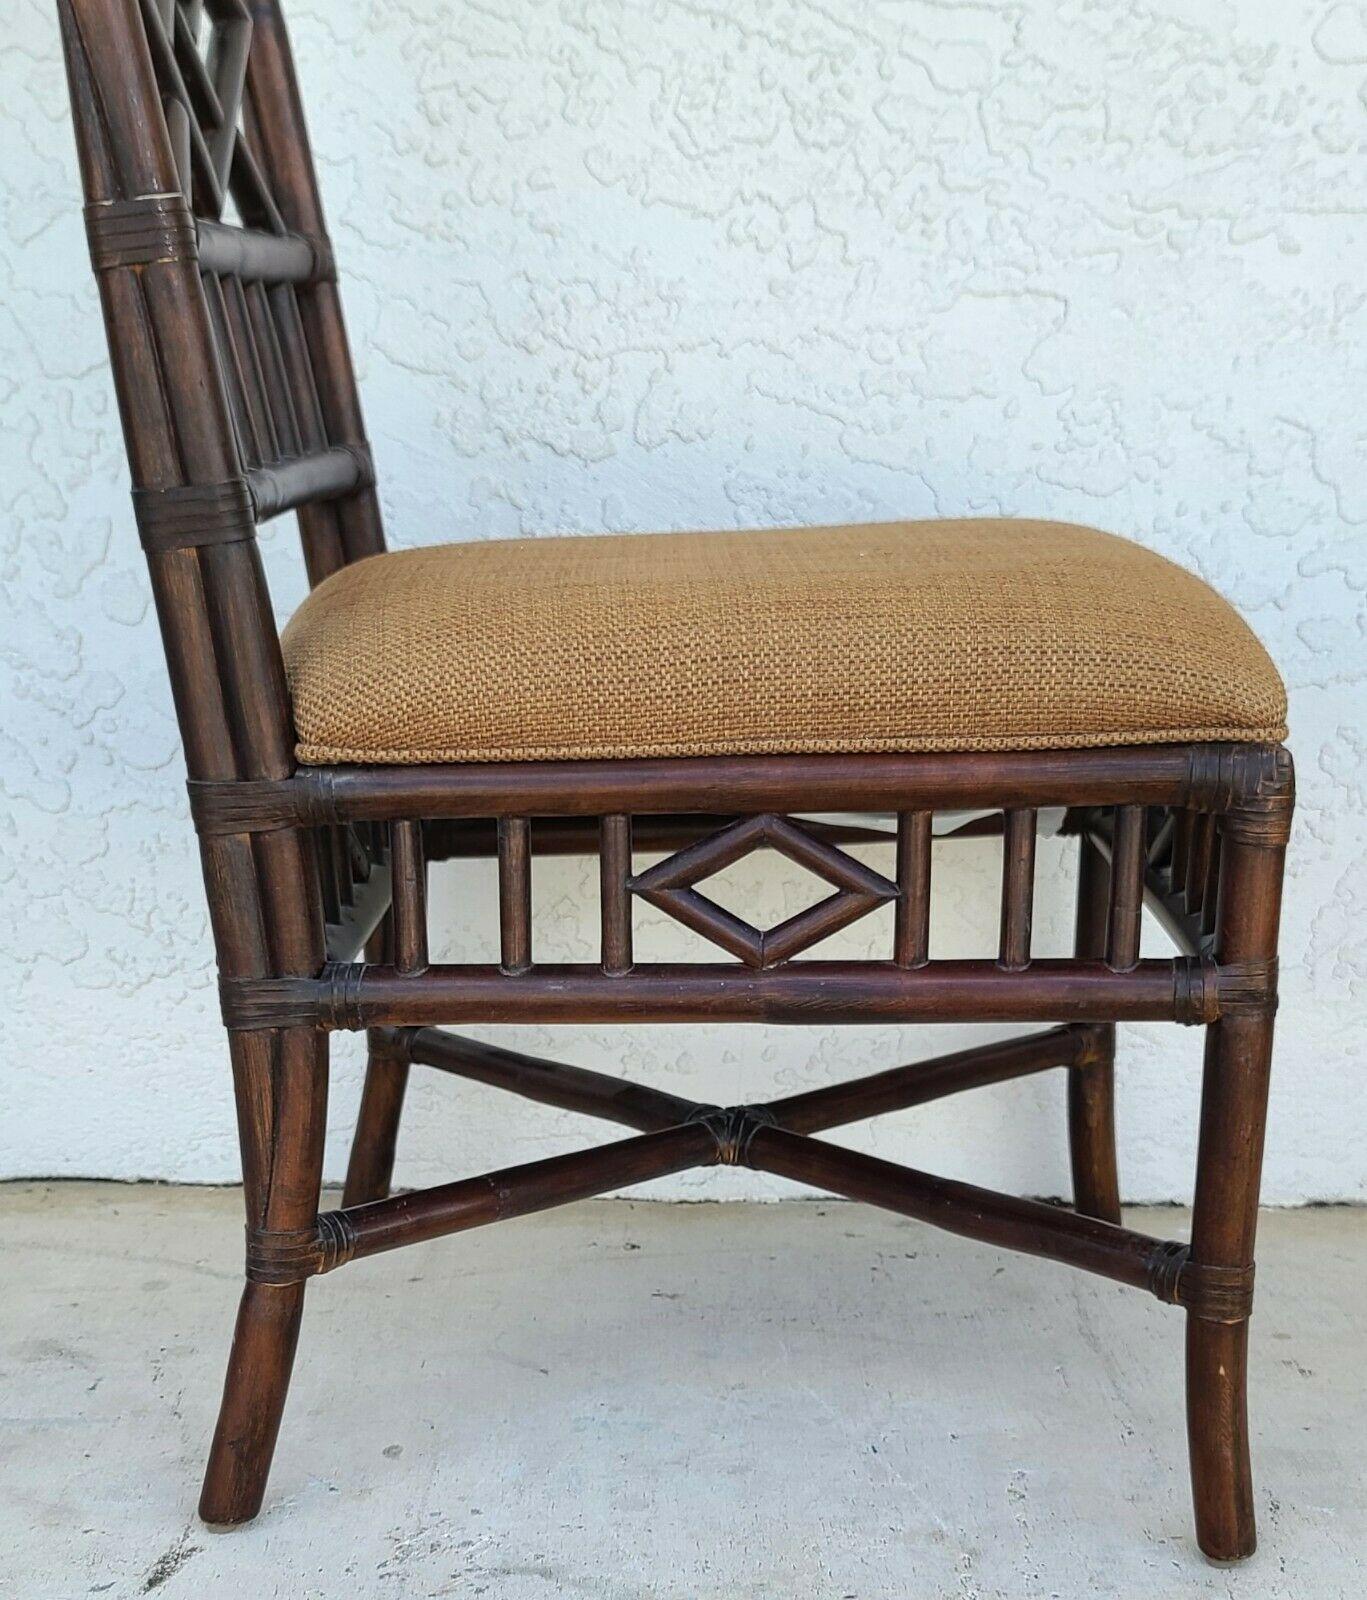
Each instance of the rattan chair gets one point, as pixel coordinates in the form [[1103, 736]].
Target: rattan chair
[[695, 696]]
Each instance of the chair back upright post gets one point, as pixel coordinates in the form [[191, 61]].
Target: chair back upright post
[[238, 402]]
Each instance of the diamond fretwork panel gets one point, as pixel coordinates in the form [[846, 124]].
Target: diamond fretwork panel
[[671, 886], [199, 52]]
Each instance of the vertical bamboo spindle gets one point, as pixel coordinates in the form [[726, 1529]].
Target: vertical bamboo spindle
[[614, 866], [1211, 899], [1127, 889], [1181, 849], [1198, 862], [515, 893], [1018, 888], [408, 890], [911, 934]]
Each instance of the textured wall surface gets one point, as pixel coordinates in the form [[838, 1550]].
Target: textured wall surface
[[631, 264]]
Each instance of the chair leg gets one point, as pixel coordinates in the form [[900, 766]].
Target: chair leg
[[371, 1165], [1238, 1055], [1225, 1214], [281, 1083], [1091, 1083]]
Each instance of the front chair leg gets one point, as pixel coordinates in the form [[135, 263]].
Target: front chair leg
[[1234, 1103], [281, 1084], [1229, 1166]]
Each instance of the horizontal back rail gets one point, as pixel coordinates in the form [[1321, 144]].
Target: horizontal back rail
[[255, 256]]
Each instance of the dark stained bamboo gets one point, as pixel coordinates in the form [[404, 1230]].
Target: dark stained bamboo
[[329, 882], [1151, 775], [1224, 1222], [1127, 889], [287, 485], [828, 992], [281, 135], [1030, 1226], [517, 1191], [901, 1087], [707, 856], [911, 930], [1184, 931], [1210, 897], [359, 920], [279, 397], [558, 836], [714, 922], [248, 359], [809, 927], [408, 876], [1198, 863], [1018, 889], [246, 426], [1091, 1080], [229, 689], [1183, 823], [254, 256], [614, 868], [370, 1166], [514, 894], [551, 1083]]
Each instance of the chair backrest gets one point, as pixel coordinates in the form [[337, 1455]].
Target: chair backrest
[[226, 339]]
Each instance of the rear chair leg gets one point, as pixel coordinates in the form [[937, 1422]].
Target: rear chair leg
[[1091, 1082], [281, 1083], [1229, 1167], [371, 1166]]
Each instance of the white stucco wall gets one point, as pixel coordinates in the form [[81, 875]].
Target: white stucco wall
[[676, 263]]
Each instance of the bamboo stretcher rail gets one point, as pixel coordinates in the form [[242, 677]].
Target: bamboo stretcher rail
[[1184, 990], [512, 1192], [598, 1094], [1031, 1227], [749, 1135], [899, 1088], [551, 1083]]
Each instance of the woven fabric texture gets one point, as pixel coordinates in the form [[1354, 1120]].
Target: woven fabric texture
[[969, 635]]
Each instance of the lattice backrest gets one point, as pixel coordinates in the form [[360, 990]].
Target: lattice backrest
[[226, 338], [245, 205]]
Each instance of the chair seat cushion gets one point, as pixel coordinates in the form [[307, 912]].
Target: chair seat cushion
[[904, 636]]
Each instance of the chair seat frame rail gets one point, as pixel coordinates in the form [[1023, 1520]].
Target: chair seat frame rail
[[229, 355]]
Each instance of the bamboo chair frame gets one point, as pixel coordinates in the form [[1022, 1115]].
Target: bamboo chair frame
[[238, 403]]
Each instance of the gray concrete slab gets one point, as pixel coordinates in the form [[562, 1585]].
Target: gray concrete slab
[[622, 1400]]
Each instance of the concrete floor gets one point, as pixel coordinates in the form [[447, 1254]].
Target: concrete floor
[[620, 1401]]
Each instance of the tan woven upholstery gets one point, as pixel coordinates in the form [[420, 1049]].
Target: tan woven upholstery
[[973, 635]]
